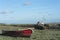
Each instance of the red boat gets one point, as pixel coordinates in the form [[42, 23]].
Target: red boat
[[26, 33]]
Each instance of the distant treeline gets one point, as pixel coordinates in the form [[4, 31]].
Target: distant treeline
[[28, 25], [49, 25], [18, 25], [52, 26]]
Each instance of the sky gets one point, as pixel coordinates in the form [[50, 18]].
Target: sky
[[29, 11]]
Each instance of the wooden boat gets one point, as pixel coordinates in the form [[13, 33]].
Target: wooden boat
[[24, 33]]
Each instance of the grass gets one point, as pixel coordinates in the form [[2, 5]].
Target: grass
[[36, 35]]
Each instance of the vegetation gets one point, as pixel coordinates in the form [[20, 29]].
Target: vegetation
[[18, 25], [36, 35]]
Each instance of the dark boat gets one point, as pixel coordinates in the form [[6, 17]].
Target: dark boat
[[23, 33]]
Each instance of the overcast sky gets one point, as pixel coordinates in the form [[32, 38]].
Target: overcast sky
[[29, 11]]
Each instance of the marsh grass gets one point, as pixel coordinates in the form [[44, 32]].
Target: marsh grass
[[36, 35]]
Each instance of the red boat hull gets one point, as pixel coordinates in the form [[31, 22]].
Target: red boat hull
[[26, 33]]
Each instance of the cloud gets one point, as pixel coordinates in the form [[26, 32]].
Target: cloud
[[6, 12], [3, 12], [27, 3]]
